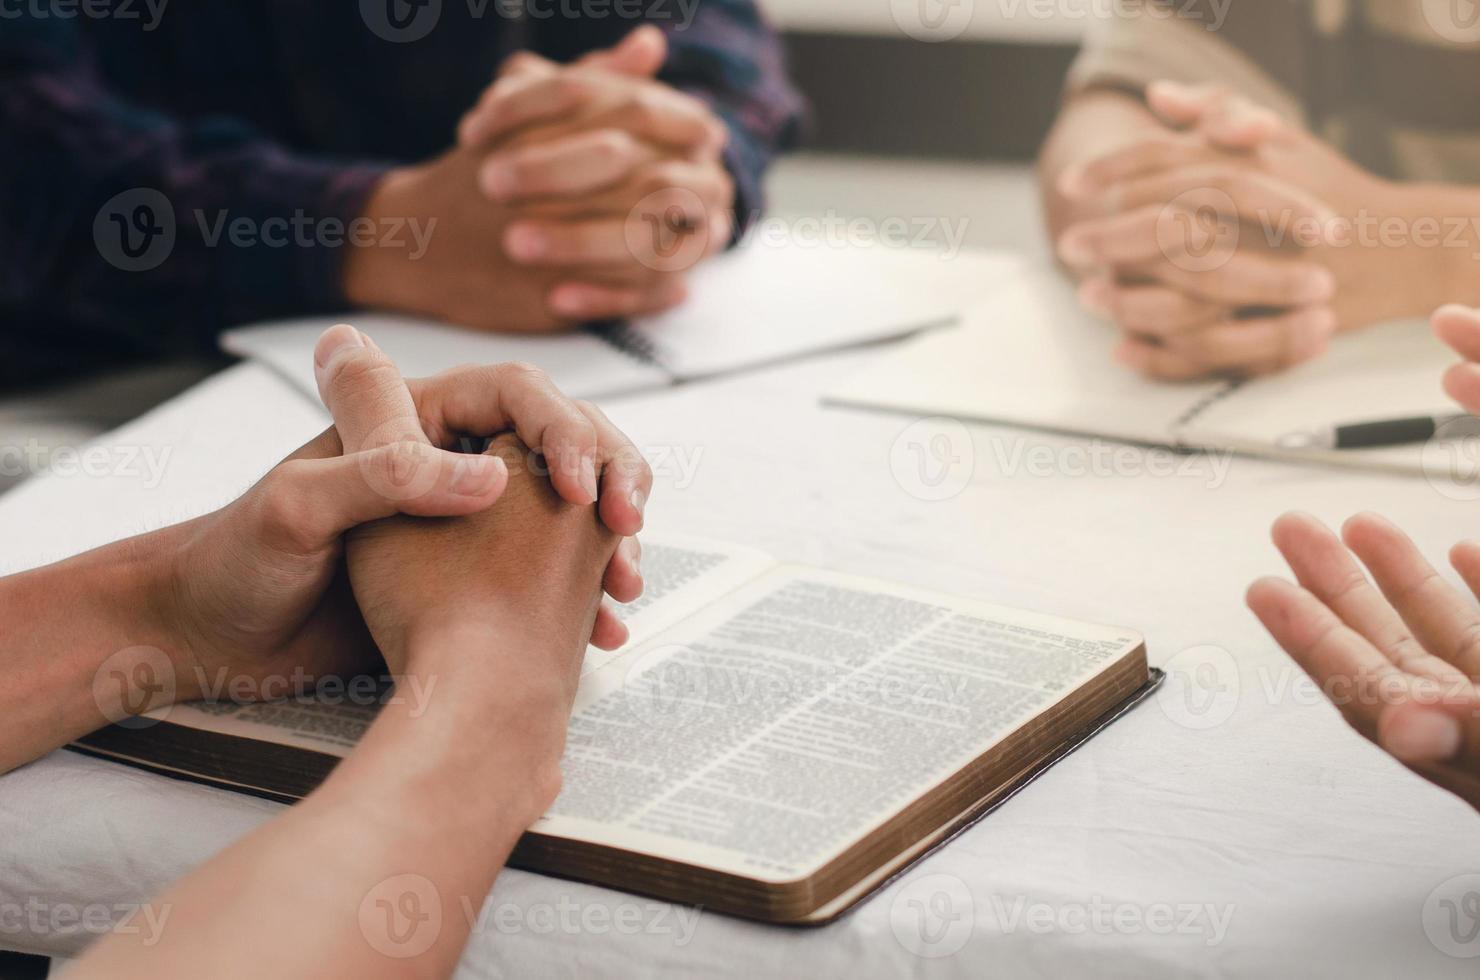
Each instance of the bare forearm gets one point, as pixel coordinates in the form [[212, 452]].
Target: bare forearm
[[1442, 225], [383, 870], [1089, 126], [80, 647]]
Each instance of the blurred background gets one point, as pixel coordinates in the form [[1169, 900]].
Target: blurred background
[[927, 107], [929, 111]]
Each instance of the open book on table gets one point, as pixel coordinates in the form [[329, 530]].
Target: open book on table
[[776, 742], [1030, 356], [759, 305]]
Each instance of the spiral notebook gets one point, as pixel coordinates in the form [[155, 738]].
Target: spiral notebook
[[1030, 356], [759, 305]]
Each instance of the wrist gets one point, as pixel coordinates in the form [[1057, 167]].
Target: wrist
[[92, 650], [140, 583], [492, 665], [372, 274], [1443, 246], [476, 728]]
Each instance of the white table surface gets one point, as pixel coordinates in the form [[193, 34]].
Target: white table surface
[[1248, 835]]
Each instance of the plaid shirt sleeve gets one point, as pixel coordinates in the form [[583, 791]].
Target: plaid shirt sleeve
[[116, 220], [727, 54], [730, 57]]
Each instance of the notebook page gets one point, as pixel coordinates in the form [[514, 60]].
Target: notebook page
[[1030, 356], [1389, 371], [766, 303], [580, 364]]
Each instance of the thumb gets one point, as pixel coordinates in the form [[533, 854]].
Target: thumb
[[640, 54], [312, 502]]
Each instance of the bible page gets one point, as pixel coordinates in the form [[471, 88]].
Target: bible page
[[774, 729]]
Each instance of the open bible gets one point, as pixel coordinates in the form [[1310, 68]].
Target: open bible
[[775, 742]]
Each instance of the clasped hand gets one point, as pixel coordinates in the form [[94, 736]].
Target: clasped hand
[[1235, 242], [268, 586], [575, 193]]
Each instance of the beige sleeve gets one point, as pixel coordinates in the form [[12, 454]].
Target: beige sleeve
[[1131, 48]]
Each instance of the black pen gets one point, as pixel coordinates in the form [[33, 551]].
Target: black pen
[[1383, 433]]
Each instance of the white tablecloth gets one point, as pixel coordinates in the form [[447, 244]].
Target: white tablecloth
[[1232, 826]]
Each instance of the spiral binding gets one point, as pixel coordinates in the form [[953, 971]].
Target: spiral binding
[[1201, 406], [624, 337]]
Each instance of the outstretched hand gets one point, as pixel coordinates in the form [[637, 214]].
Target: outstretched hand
[[1401, 659]]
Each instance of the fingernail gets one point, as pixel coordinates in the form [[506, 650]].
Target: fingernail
[[1173, 90], [1456, 309], [369, 341], [639, 504], [526, 243], [719, 137], [568, 301], [1425, 736], [473, 476], [499, 179], [588, 477], [1076, 249], [1097, 296], [1072, 182], [1321, 284], [465, 129], [336, 339], [1326, 323]]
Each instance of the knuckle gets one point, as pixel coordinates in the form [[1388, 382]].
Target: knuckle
[[642, 276], [646, 108], [1221, 182], [458, 372], [401, 462], [282, 510], [1199, 347], [613, 146], [1285, 284], [689, 105], [1164, 150], [723, 184], [568, 87], [1468, 647], [1134, 312], [523, 373], [579, 429], [365, 369], [668, 173]]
